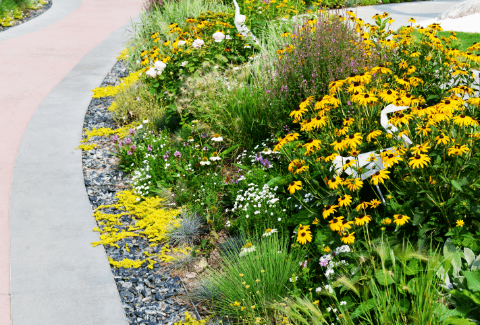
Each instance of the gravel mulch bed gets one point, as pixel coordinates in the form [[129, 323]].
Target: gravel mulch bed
[[149, 296], [30, 14]]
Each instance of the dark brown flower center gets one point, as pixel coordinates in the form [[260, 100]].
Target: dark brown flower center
[[389, 92], [351, 136], [447, 102]]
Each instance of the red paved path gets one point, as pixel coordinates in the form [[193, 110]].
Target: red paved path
[[30, 66]]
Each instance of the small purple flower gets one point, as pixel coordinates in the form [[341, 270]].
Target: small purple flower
[[203, 135], [177, 154], [149, 147], [205, 149], [132, 131], [128, 141], [166, 156], [115, 138], [129, 153], [133, 147]]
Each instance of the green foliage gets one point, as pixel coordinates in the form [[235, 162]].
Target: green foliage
[[248, 283]]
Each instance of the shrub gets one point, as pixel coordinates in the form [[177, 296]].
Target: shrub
[[135, 103], [247, 283]]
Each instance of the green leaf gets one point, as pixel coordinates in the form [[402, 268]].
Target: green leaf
[[473, 280], [458, 321], [413, 267], [226, 152], [456, 185], [241, 166], [384, 277], [302, 217], [469, 256], [364, 308], [279, 181]]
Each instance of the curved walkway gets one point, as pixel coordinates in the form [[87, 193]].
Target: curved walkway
[[47, 68], [401, 12]]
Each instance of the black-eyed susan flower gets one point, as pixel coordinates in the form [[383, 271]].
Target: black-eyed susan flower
[[464, 120], [336, 223], [354, 184], [348, 122], [348, 238], [400, 219], [355, 87], [420, 148], [388, 95], [344, 200], [353, 140], [365, 98], [362, 219], [419, 161], [391, 159], [342, 131], [312, 145], [294, 186], [328, 210], [386, 221], [474, 101], [294, 164], [372, 135], [335, 86], [345, 224], [331, 157], [339, 145], [334, 182], [442, 139], [316, 221], [460, 223], [458, 150], [304, 234], [349, 163], [400, 118], [380, 176], [424, 130], [298, 112], [362, 206]]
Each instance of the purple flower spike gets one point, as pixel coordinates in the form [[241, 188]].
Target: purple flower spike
[[133, 147], [177, 154], [149, 148], [132, 131], [129, 153]]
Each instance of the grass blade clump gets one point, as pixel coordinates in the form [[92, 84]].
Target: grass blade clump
[[189, 231], [249, 282]]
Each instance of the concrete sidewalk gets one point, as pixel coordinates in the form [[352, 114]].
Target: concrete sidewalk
[[56, 276], [401, 12]]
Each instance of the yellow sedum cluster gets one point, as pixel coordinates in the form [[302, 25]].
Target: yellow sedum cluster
[[110, 91], [153, 221], [87, 147], [189, 320]]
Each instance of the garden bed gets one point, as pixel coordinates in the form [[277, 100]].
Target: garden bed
[[320, 172]]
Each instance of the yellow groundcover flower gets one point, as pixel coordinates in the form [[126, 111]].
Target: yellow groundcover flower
[[400, 219], [460, 223]]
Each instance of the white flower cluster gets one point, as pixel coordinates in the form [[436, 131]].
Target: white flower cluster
[[246, 250], [157, 70], [326, 260], [255, 200], [141, 178]]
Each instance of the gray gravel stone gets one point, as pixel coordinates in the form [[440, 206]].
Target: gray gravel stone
[[146, 293]]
